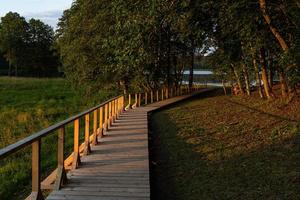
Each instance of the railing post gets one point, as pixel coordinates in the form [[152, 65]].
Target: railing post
[[171, 95], [112, 111], [146, 98], [61, 176], [95, 132], [157, 96], [120, 106], [109, 114], [162, 94], [101, 121], [140, 98], [123, 104], [87, 147], [151, 94], [105, 117], [115, 109], [129, 99], [76, 155], [36, 193]]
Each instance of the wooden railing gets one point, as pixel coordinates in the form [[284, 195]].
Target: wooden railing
[[103, 117]]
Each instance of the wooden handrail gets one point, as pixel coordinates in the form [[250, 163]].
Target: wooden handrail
[[32, 138], [103, 114]]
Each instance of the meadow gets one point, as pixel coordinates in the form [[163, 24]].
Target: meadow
[[218, 147], [28, 105]]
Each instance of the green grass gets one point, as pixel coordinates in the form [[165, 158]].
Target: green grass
[[219, 147], [29, 105]]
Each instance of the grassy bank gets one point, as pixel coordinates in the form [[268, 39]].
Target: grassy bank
[[218, 147], [28, 105]]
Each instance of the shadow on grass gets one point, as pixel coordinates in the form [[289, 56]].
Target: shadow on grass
[[178, 172], [262, 112]]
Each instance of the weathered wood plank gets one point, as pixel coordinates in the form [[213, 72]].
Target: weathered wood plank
[[117, 168]]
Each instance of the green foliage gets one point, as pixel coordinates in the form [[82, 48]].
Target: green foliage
[[13, 34], [28, 106], [28, 47], [138, 44]]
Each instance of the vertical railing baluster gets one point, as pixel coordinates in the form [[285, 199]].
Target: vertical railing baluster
[[114, 110], [151, 98], [76, 155], [146, 98], [101, 121], [162, 94], [129, 100], [61, 177], [105, 117], [87, 147], [117, 108], [109, 114], [36, 193], [123, 104], [157, 95], [140, 98], [95, 130]]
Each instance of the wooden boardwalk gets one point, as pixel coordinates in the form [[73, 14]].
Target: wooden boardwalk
[[118, 167]]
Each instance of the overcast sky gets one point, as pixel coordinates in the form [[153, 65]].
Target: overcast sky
[[48, 11]]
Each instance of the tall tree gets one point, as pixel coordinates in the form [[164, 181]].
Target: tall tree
[[13, 38]]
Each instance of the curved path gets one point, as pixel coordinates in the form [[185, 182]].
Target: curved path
[[117, 168]]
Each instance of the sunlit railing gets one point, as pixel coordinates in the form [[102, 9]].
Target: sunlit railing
[[103, 116]]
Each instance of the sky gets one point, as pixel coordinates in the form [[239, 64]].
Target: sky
[[48, 11]]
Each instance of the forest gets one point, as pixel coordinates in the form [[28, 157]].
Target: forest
[[141, 45], [144, 45], [104, 48], [27, 47]]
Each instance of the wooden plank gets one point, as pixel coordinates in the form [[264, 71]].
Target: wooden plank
[[118, 168]]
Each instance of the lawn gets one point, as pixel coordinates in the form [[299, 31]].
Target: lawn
[[29, 105], [217, 147]]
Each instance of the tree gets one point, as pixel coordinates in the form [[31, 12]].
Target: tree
[[13, 38], [41, 60]]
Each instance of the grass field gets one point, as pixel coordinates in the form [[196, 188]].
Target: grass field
[[28, 105], [218, 147]]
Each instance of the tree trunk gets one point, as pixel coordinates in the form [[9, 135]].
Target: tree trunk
[[224, 87], [238, 79], [281, 41], [191, 78], [258, 80], [271, 72], [283, 84], [264, 73], [246, 77]]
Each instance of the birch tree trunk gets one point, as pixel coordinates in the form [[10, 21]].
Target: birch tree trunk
[[264, 74], [191, 78], [283, 84], [224, 87], [246, 77], [258, 80], [238, 79]]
